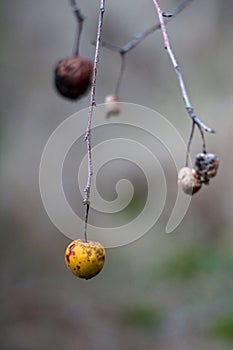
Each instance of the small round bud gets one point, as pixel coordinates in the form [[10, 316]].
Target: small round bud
[[112, 105], [206, 166], [85, 259], [72, 76], [189, 180]]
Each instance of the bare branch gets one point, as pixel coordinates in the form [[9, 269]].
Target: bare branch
[[108, 46], [201, 126], [123, 50], [140, 37], [91, 107]]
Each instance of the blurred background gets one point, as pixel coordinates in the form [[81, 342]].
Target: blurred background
[[162, 291]]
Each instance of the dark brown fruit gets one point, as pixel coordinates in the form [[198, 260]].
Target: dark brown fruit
[[73, 76], [206, 166]]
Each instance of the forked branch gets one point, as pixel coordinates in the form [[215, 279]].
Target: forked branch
[[123, 50], [196, 121], [140, 37]]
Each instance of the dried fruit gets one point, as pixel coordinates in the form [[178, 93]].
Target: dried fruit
[[206, 166], [73, 76], [112, 105], [85, 259], [189, 180]]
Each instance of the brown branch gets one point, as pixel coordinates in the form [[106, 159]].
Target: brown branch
[[80, 19], [201, 126], [123, 50], [140, 37], [87, 190]]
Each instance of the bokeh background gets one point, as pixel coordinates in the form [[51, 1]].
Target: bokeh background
[[162, 291]]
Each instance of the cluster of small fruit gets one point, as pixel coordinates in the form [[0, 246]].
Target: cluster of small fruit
[[205, 168]]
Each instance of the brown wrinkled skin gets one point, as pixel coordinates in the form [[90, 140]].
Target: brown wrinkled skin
[[73, 76], [206, 166], [189, 180]]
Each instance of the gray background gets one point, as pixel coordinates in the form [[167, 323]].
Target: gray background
[[161, 291]]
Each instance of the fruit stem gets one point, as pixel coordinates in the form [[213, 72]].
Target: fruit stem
[[86, 221], [90, 113], [189, 144], [80, 19], [122, 69]]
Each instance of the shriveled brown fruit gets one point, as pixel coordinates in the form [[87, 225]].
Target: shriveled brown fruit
[[189, 180], [206, 166], [72, 76], [112, 105]]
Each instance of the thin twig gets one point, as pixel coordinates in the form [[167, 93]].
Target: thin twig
[[201, 126], [119, 80], [108, 46], [140, 37], [202, 138], [189, 144], [80, 20], [86, 221], [123, 50], [90, 113]]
